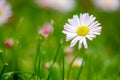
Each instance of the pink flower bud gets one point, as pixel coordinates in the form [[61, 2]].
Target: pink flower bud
[[47, 65], [9, 43], [46, 30]]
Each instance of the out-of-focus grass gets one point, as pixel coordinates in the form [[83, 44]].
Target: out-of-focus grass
[[103, 52]]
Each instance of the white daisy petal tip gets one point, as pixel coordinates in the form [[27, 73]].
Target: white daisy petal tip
[[81, 28], [80, 44]]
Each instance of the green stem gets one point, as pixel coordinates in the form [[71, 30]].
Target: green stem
[[81, 67], [63, 65], [3, 70], [31, 78], [2, 57], [117, 74], [18, 72], [80, 70], [4, 61], [39, 66], [38, 59], [54, 60], [68, 73]]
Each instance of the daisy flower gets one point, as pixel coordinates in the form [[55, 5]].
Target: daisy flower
[[60, 5], [79, 28], [5, 11], [107, 5]]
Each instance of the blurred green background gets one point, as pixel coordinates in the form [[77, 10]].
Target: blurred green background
[[104, 51]]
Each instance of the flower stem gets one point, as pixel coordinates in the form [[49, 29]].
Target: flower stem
[[117, 74], [81, 67], [54, 60], [80, 70], [68, 73], [63, 65], [38, 59], [3, 70], [2, 56]]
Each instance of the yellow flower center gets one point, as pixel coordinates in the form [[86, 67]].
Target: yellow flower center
[[0, 12], [82, 30]]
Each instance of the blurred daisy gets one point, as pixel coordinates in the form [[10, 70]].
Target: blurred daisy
[[80, 28], [107, 5], [46, 30], [60, 5], [77, 62], [68, 50], [69, 53], [5, 11]]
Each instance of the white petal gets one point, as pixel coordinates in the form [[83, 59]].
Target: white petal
[[69, 28], [88, 36], [96, 28], [80, 43], [95, 24], [94, 33], [91, 37], [86, 20], [71, 36], [66, 32], [83, 18], [98, 31], [91, 20], [85, 43], [77, 20], [74, 41], [72, 22]]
